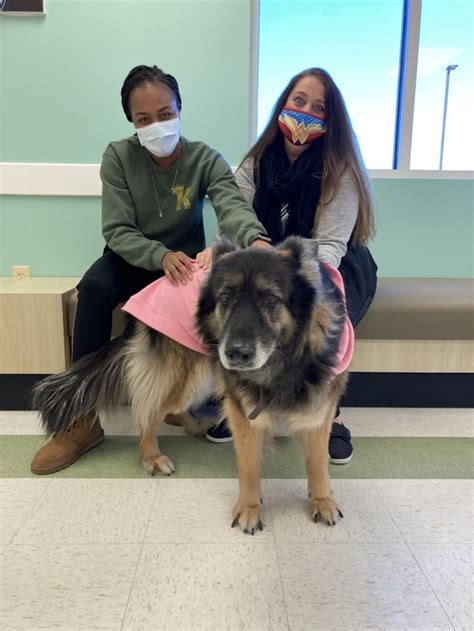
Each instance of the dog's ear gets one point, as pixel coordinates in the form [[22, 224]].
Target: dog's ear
[[222, 246], [303, 253], [298, 248]]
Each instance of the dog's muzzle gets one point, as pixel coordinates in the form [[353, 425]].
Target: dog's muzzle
[[243, 355], [240, 355]]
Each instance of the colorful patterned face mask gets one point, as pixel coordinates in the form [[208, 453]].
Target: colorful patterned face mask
[[300, 127]]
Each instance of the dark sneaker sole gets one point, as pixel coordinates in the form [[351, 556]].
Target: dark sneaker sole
[[64, 465], [227, 439], [340, 460]]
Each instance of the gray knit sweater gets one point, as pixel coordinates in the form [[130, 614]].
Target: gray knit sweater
[[337, 219]]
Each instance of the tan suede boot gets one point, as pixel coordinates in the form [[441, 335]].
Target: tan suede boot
[[68, 446]]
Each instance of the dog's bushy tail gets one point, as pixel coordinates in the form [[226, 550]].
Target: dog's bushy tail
[[95, 382]]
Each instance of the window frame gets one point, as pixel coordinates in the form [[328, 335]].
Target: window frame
[[406, 91]]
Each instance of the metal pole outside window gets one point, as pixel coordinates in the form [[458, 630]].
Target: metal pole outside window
[[446, 91]]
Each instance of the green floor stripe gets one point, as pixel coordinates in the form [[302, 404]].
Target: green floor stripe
[[117, 457]]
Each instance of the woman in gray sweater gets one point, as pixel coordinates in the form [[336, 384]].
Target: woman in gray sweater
[[305, 176]]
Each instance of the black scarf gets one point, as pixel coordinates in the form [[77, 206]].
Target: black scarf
[[298, 185]]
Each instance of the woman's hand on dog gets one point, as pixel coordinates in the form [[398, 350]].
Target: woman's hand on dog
[[261, 243], [178, 267], [204, 258]]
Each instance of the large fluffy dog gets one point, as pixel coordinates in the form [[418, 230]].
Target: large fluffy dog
[[272, 321]]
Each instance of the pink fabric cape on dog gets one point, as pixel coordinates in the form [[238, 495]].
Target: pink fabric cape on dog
[[346, 343], [170, 309]]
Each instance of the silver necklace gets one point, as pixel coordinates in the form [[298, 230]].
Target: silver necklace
[[169, 190]]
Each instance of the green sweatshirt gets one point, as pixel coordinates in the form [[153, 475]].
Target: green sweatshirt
[[147, 212]]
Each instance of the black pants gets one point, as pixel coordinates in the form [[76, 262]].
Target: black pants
[[107, 283]]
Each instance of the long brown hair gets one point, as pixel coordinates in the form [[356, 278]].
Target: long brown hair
[[341, 151]]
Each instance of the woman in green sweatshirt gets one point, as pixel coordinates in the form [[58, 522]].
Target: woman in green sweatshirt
[[153, 188]]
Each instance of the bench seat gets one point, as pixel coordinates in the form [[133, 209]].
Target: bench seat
[[420, 309]]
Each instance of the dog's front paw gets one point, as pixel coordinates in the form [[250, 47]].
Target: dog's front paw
[[158, 464], [326, 511], [249, 518]]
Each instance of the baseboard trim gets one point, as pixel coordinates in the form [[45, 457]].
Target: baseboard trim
[[409, 390], [404, 390], [15, 391], [83, 180]]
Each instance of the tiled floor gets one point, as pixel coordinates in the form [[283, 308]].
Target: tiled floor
[[159, 553]]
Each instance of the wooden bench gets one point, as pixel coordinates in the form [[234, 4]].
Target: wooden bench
[[418, 325], [414, 348], [34, 325]]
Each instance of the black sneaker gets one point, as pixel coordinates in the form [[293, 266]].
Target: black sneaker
[[340, 448], [219, 433]]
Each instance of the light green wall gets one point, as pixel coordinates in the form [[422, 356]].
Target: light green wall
[[60, 83], [424, 229], [57, 236], [62, 74]]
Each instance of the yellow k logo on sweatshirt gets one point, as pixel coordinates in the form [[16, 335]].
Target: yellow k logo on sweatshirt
[[182, 197]]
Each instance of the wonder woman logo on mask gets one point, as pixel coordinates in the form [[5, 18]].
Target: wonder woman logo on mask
[[300, 127]]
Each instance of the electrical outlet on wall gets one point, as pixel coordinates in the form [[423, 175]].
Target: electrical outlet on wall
[[21, 271]]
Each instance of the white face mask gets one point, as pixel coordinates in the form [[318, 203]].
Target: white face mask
[[160, 138]]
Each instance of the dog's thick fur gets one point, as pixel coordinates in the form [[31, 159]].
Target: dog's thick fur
[[272, 321]]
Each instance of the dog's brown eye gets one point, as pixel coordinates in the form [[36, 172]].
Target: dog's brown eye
[[271, 300], [224, 298]]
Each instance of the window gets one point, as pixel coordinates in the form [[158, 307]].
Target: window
[[359, 43], [444, 88]]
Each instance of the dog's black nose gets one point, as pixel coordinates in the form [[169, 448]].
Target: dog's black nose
[[242, 353]]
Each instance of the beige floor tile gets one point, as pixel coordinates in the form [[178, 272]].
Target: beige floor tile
[[361, 421], [18, 499], [207, 587], [366, 520], [90, 511], [430, 511], [19, 422], [66, 587], [357, 586], [404, 422], [121, 424], [448, 568], [199, 511], [117, 424], [434, 422]]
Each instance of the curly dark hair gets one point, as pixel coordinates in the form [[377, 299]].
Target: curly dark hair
[[146, 74]]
